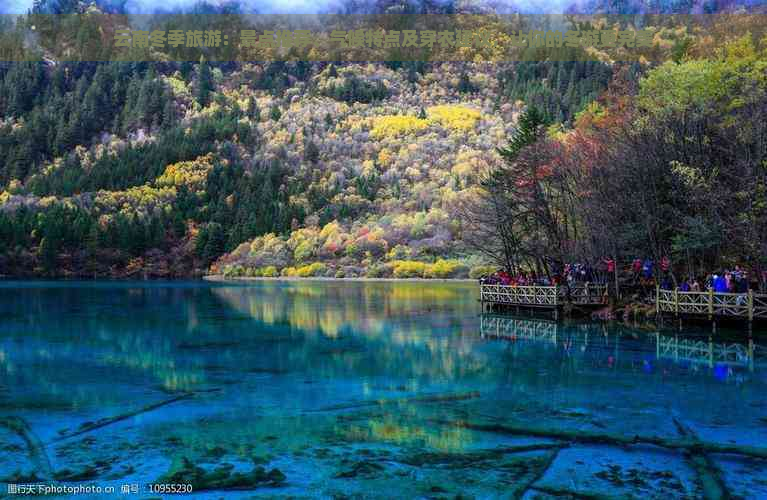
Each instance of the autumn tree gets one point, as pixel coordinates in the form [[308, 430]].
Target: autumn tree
[[498, 217]]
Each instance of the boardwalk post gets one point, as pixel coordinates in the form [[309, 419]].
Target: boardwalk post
[[657, 345], [676, 301], [710, 303], [750, 306], [657, 300], [676, 348]]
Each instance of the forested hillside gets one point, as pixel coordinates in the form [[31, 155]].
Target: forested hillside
[[294, 168]]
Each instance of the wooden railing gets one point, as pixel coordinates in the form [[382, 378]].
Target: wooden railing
[[505, 327], [747, 305], [709, 352], [542, 296], [697, 350], [538, 296], [587, 294]]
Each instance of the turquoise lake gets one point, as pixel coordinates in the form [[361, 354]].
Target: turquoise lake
[[365, 390]]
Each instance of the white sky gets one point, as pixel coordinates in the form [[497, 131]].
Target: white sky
[[14, 6]]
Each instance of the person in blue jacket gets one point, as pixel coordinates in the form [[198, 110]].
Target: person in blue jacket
[[647, 268], [720, 284], [666, 284]]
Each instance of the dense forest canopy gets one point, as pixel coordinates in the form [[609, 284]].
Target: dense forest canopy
[[165, 168], [675, 166]]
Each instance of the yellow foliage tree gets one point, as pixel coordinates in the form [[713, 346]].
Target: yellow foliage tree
[[396, 125], [187, 173], [455, 117]]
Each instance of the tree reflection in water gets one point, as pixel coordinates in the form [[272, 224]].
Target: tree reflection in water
[[352, 388]]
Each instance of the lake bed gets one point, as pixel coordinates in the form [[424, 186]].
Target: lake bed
[[370, 389]]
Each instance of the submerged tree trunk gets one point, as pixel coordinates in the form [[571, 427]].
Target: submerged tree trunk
[[614, 439]]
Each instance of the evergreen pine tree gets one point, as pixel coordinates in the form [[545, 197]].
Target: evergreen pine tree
[[464, 84], [63, 140], [169, 113], [570, 93], [311, 152], [254, 113], [275, 113], [48, 253], [412, 73], [529, 130], [20, 161], [204, 82], [216, 242]]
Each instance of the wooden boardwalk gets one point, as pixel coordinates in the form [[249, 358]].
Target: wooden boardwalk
[[705, 351], [709, 353], [751, 306], [505, 327], [546, 297]]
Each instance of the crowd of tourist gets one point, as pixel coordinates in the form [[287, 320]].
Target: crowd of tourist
[[520, 279], [727, 281], [642, 272], [572, 273]]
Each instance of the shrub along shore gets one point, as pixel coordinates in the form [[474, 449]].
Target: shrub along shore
[[397, 269], [219, 277]]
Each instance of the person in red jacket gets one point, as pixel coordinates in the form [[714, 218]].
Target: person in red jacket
[[609, 268], [637, 268]]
